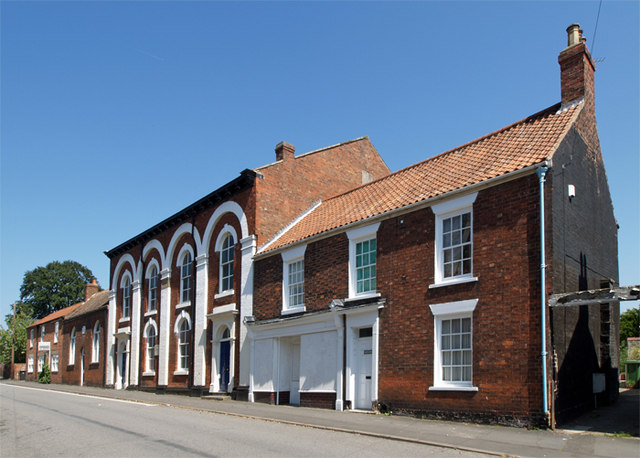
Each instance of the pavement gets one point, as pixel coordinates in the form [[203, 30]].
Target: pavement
[[605, 432]]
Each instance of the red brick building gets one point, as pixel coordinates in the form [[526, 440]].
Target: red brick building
[[181, 289], [70, 341], [423, 291]]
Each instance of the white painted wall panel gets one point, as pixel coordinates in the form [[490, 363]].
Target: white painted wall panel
[[318, 359]]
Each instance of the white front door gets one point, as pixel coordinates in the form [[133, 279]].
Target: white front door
[[294, 390], [363, 368]]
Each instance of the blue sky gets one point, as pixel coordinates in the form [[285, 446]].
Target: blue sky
[[115, 115]]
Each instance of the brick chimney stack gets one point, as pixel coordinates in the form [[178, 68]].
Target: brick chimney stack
[[91, 289], [284, 151], [576, 69]]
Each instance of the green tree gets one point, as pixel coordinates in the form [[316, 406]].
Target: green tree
[[55, 286], [23, 319], [629, 325]]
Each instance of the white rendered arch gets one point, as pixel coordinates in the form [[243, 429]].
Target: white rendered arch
[[226, 229], [183, 229], [227, 207], [151, 244], [152, 263], [127, 258], [126, 275], [186, 248], [183, 316], [150, 323]]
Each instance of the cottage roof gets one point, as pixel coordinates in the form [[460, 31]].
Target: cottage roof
[[98, 301], [517, 146], [58, 314]]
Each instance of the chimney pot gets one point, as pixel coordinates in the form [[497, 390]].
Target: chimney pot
[[574, 35], [284, 151]]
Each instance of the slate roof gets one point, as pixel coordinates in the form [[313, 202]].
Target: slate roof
[[98, 301], [519, 145]]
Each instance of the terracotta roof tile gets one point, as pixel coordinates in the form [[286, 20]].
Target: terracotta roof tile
[[96, 302], [57, 314], [519, 145]]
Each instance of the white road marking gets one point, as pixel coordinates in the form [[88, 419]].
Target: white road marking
[[84, 395]]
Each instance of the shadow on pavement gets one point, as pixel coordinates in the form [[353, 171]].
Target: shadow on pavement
[[622, 418]]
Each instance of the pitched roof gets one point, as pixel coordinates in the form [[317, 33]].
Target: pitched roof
[[517, 146], [98, 301], [57, 314]]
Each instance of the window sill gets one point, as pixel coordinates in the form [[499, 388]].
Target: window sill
[[223, 294], [95, 362], [359, 297], [149, 374], [124, 320], [453, 388], [181, 372], [183, 305], [151, 313], [293, 310], [455, 281]]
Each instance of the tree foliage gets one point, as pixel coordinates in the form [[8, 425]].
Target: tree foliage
[[55, 286], [23, 319], [629, 325]]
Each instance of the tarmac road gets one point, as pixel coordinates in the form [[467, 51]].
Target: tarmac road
[[36, 422]]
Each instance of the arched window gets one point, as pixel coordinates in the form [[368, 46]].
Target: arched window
[[126, 298], [95, 348], [184, 330], [153, 289], [226, 263], [185, 278], [150, 353], [72, 347]]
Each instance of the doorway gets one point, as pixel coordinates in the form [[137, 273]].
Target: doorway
[[363, 368], [225, 360], [82, 368], [294, 385]]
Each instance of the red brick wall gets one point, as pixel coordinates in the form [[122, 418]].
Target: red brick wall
[[56, 377], [94, 373], [293, 185], [506, 320], [320, 400]]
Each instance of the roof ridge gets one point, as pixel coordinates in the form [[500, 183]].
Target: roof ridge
[[346, 142], [550, 109]]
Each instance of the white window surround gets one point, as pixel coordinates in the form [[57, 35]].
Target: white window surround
[[289, 257], [32, 335], [55, 361], [30, 364], [95, 347], [150, 326], [186, 248], [448, 311], [40, 362], [152, 275], [56, 331], [72, 347], [42, 331], [355, 236], [227, 230], [125, 285], [184, 316], [443, 211]]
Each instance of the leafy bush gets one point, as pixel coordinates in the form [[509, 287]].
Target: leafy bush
[[45, 374]]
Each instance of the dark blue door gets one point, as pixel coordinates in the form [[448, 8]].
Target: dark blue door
[[225, 353]]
